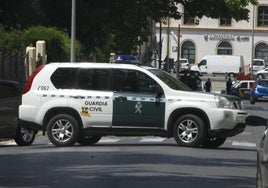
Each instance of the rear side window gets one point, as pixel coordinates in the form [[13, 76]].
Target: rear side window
[[93, 79], [8, 91], [64, 78]]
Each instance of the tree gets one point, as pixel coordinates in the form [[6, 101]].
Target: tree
[[113, 26]]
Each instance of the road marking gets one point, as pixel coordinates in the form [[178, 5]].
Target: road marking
[[245, 144], [152, 139], [108, 140]]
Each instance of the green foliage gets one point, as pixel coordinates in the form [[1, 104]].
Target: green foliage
[[103, 26], [57, 43], [10, 41]]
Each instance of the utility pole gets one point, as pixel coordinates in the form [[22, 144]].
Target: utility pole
[[179, 50], [168, 40], [160, 45], [252, 42], [73, 31]]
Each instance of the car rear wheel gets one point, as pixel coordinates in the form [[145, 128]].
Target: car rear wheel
[[24, 137], [214, 141], [63, 130], [190, 130], [89, 140]]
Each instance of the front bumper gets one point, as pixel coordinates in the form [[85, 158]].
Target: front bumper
[[239, 128]]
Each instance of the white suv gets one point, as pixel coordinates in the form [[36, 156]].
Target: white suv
[[81, 102]]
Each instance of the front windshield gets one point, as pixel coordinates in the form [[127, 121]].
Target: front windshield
[[172, 82]]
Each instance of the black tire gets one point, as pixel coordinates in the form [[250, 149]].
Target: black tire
[[252, 100], [214, 141], [89, 140], [24, 137], [190, 131], [63, 130], [260, 76]]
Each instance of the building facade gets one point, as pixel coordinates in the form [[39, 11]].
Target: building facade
[[206, 36]]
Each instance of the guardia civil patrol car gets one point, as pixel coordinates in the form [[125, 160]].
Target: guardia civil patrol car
[[81, 102]]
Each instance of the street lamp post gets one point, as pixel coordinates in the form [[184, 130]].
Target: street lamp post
[[178, 52], [73, 31], [252, 42]]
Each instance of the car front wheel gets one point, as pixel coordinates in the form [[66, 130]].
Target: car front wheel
[[189, 130], [63, 130], [24, 137]]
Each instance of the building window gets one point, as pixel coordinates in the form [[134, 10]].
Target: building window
[[261, 51], [188, 51], [225, 49], [188, 19], [263, 16], [225, 21]]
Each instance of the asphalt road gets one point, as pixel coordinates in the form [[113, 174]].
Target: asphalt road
[[120, 162], [130, 162]]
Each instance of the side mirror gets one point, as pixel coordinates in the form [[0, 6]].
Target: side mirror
[[256, 121]]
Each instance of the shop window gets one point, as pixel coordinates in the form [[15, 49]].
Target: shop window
[[225, 49], [263, 16], [188, 51]]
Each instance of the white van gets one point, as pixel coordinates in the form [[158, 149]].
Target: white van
[[216, 64]]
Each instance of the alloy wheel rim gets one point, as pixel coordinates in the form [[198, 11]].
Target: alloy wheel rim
[[62, 130], [187, 131]]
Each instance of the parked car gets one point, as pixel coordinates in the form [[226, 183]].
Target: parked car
[[258, 64], [10, 127], [81, 102], [261, 74], [184, 65], [259, 91], [242, 88], [262, 152]]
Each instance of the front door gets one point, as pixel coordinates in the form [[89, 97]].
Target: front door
[[138, 100]]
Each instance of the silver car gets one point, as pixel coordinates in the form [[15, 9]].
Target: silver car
[[262, 153], [261, 74]]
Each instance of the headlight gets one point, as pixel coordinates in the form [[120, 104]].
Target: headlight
[[223, 102]]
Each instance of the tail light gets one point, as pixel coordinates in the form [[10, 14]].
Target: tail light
[[29, 82]]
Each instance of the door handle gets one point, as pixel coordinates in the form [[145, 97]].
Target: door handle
[[121, 98]]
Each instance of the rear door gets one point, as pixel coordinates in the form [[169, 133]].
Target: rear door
[[138, 100]]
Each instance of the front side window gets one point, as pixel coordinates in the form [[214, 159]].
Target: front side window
[[125, 80], [169, 80]]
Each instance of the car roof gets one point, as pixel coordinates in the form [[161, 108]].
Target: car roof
[[97, 65]]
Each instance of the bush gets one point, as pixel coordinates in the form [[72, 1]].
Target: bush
[[57, 43]]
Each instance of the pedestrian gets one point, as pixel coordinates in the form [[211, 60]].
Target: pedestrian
[[228, 86], [207, 85]]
